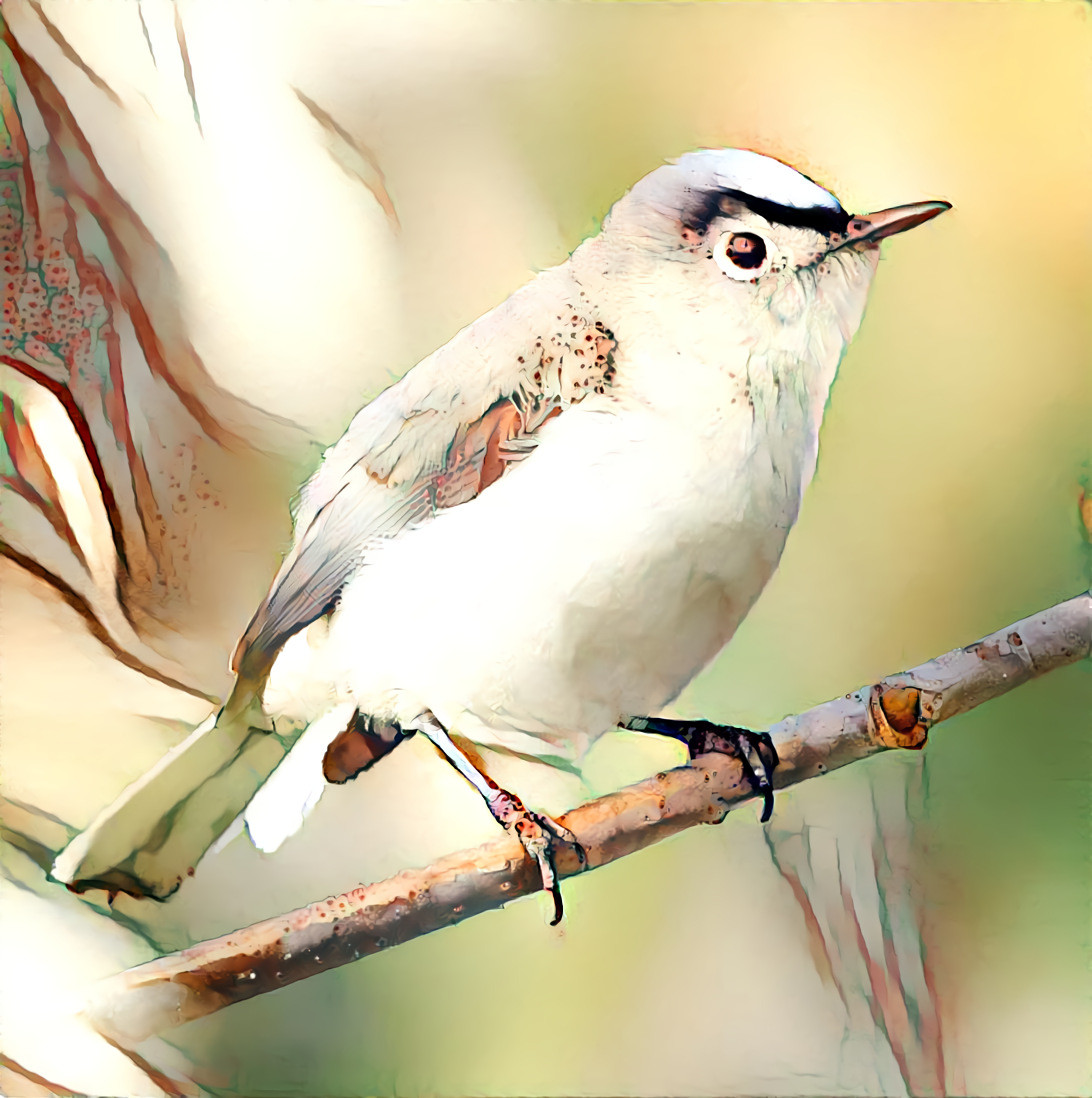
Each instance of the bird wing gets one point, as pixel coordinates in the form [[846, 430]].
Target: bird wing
[[433, 440]]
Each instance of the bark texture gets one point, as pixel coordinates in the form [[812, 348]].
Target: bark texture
[[896, 712]]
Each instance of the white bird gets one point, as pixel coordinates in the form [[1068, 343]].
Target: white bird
[[548, 526]]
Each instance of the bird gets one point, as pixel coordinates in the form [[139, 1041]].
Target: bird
[[545, 529]]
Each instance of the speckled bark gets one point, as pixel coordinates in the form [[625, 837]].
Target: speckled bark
[[895, 712]]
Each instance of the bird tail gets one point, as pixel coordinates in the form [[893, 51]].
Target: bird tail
[[149, 840], [279, 808]]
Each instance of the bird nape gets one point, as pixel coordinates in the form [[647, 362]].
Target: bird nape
[[545, 529]]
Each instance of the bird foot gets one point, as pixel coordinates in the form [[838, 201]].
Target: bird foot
[[539, 835], [755, 750]]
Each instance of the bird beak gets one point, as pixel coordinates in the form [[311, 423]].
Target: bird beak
[[875, 226]]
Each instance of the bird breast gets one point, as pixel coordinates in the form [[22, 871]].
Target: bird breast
[[589, 583]]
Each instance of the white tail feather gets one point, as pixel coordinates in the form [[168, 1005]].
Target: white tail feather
[[279, 808]]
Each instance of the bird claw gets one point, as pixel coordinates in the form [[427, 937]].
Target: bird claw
[[538, 834], [754, 750]]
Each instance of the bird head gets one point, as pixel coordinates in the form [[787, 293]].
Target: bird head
[[750, 232]]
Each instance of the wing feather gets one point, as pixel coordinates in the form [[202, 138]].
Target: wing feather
[[435, 439]]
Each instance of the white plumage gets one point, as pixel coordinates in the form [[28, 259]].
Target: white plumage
[[556, 520]]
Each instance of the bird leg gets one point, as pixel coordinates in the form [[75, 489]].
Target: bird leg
[[360, 746], [755, 750], [537, 833]]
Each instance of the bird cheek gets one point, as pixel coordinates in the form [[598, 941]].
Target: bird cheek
[[788, 301]]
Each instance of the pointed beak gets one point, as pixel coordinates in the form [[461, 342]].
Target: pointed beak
[[875, 226]]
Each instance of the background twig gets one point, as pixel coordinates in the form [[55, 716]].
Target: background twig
[[142, 1001]]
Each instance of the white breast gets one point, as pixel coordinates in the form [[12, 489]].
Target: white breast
[[589, 584]]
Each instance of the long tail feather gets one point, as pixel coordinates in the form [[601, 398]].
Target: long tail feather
[[150, 839]]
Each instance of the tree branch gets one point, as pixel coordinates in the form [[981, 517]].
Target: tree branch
[[142, 1001]]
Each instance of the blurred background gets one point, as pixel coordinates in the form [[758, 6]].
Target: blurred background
[[228, 225]]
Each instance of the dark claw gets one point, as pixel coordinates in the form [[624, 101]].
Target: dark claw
[[541, 848], [754, 746], [755, 750], [538, 834]]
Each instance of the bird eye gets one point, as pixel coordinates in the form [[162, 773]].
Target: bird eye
[[741, 255], [746, 250]]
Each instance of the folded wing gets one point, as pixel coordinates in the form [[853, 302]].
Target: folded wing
[[435, 439]]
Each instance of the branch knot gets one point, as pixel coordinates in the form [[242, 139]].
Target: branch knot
[[899, 716]]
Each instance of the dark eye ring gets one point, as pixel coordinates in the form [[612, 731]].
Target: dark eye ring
[[746, 251]]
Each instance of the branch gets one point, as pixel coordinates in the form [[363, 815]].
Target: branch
[[179, 987]]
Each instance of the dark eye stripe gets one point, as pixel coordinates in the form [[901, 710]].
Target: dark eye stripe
[[710, 205]]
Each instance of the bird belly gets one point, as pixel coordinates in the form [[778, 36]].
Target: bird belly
[[590, 583]]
